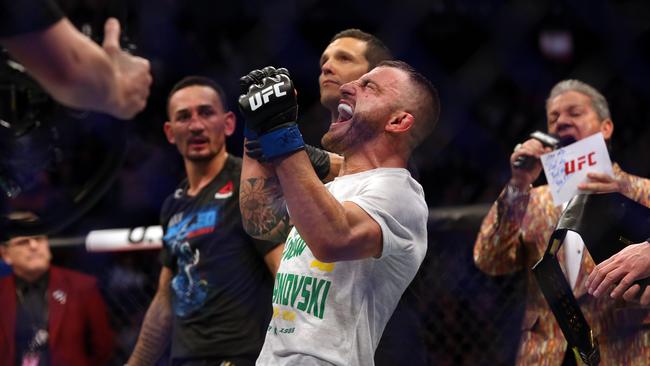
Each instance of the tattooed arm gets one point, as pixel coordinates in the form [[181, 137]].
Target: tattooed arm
[[333, 230], [157, 325], [263, 208]]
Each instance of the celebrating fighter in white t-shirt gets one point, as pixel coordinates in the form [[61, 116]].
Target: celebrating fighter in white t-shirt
[[359, 240]]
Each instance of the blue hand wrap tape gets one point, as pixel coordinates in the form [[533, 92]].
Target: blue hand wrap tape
[[282, 141]]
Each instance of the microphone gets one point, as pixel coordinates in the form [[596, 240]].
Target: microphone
[[524, 161]]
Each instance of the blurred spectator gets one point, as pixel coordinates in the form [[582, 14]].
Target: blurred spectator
[[50, 315]]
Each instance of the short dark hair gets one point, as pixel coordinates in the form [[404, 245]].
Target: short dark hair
[[197, 80], [427, 101], [376, 50]]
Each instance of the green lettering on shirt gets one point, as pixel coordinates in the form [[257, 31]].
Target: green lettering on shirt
[[279, 285], [295, 289], [310, 293], [293, 247], [323, 298], [287, 288], [313, 302], [302, 306]]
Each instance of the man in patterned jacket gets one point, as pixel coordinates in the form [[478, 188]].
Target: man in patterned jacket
[[516, 231]]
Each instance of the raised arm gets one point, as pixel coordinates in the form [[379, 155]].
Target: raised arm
[[261, 194], [156, 327], [320, 217], [263, 209], [79, 73], [333, 230], [498, 246]]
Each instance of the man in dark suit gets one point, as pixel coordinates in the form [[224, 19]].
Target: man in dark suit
[[50, 315]]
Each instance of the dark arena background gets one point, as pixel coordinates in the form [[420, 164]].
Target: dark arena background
[[493, 62]]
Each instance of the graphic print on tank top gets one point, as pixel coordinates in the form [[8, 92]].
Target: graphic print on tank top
[[190, 289]]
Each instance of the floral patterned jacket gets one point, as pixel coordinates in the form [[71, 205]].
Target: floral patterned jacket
[[514, 236]]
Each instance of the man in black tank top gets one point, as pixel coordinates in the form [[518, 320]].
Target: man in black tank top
[[214, 294]]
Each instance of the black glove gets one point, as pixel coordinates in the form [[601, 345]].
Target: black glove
[[268, 104], [320, 160]]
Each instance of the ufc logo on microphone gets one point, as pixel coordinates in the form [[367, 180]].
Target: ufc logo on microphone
[[570, 166], [262, 97]]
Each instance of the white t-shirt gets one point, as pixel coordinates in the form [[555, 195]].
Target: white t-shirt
[[335, 313]]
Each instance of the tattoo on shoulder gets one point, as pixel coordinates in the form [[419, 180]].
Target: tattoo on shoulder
[[264, 212]]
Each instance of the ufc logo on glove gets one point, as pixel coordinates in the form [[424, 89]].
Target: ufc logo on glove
[[262, 97], [269, 106]]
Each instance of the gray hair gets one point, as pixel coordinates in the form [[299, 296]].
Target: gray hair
[[598, 101]]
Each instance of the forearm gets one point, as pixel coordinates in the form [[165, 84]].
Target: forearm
[[154, 334], [498, 246], [317, 215], [262, 205], [321, 219], [78, 72]]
